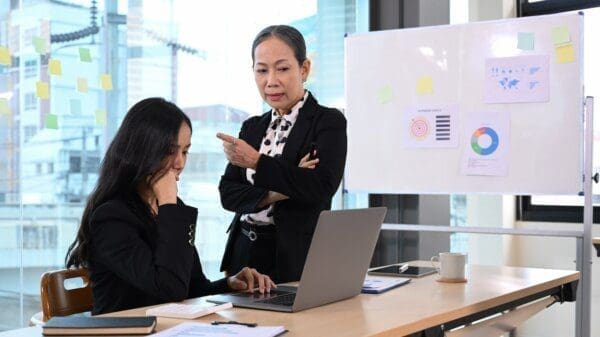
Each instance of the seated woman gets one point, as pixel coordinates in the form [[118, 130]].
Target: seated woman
[[136, 236]]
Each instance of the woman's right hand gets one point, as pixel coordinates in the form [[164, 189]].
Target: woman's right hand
[[165, 188], [306, 162]]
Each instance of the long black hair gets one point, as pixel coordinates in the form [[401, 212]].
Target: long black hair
[[288, 34], [136, 155]]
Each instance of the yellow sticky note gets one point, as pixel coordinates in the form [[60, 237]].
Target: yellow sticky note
[[54, 67], [565, 54], [51, 121], [82, 84], [106, 82], [100, 117], [425, 85], [5, 56], [4, 108], [561, 35], [42, 90], [384, 95]]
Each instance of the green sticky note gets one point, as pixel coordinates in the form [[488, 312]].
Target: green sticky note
[[565, 54], [526, 41], [101, 117], [75, 105], [54, 67], [384, 95], [42, 90], [425, 85], [85, 55], [82, 84], [51, 121], [39, 45], [560, 35], [5, 56], [4, 108]]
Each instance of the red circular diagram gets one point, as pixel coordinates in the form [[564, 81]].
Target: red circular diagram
[[419, 128]]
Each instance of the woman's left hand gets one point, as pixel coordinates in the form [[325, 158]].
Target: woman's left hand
[[238, 152], [248, 278]]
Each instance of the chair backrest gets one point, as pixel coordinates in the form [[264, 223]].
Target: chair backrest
[[60, 301]]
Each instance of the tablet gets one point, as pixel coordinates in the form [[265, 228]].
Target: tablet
[[394, 270]]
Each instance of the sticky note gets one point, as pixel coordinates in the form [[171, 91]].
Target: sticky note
[[425, 85], [42, 90], [560, 35], [82, 84], [75, 106], [106, 82], [5, 56], [85, 55], [54, 67], [384, 95], [51, 121], [565, 54], [100, 117], [39, 44], [526, 41], [4, 108]]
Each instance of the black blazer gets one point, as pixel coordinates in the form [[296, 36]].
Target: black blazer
[[136, 260], [310, 190]]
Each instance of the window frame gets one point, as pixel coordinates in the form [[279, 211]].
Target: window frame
[[526, 211]]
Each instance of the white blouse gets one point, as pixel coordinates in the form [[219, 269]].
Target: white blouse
[[272, 145]]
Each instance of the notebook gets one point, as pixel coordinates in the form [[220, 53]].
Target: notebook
[[78, 325], [187, 311], [335, 266]]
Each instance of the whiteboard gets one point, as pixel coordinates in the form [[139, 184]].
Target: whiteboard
[[384, 73]]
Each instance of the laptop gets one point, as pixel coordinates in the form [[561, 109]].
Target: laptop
[[335, 267]]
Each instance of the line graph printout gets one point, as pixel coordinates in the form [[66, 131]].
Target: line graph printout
[[517, 79], [430, 126]]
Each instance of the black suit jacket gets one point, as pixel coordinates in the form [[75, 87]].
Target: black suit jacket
[[136, 260], [309, 190]]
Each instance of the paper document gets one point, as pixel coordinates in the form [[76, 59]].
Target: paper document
[[377, 285], [187, 311], [206, 330]]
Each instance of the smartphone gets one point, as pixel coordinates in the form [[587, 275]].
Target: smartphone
[[395, 270], [313, 151]]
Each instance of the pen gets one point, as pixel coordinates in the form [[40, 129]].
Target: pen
[[250, 325], [402, 268]]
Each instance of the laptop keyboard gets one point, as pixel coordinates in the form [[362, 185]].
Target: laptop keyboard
[[287, 299]]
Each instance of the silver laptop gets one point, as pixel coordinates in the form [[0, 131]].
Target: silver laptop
[[335, 268]]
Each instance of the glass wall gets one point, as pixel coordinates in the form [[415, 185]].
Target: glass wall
[[70, 69]]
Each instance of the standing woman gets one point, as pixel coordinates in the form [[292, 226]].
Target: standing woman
[[136, 236], [276, 190]]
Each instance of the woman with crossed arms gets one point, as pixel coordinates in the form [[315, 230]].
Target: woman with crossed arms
[[272, 184]]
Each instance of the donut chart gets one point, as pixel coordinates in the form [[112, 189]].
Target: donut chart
[[493, 146]]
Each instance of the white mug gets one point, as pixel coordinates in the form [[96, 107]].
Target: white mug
[[451, 266]]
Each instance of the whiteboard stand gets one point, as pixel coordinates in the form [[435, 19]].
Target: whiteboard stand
[[584, 256]]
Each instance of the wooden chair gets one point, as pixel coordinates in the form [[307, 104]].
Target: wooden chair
[[60, 301]]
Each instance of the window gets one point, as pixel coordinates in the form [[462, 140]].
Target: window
[[31, 70], [167, 48], [569, 208], [30, 101]]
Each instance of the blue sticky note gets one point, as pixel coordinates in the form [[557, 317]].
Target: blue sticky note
[[526, 41]]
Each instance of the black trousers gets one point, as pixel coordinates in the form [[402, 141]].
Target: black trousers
[[258, 254]]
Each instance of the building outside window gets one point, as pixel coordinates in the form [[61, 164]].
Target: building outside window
[[196, 54]]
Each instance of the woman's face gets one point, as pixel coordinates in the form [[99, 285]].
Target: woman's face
[[279, 77], [178, 157]]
